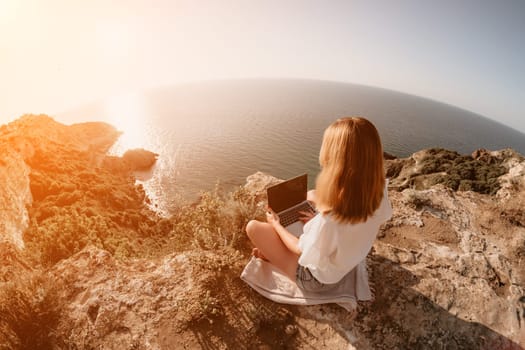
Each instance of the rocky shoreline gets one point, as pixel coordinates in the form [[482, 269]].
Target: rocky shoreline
[[86, 264]]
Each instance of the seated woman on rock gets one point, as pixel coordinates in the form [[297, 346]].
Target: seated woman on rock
[[352, 202]]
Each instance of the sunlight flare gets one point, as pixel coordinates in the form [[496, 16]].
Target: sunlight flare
[[127, 113]]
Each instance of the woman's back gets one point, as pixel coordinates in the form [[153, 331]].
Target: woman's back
[[331, 248]]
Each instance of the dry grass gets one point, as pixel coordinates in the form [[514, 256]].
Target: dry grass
[[28, 312], [216, 221]]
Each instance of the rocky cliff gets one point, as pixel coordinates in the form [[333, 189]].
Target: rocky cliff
[[99, 270], [15, 197]]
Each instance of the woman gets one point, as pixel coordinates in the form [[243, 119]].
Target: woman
[[352, 202]]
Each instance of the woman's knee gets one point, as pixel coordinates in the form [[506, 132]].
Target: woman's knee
[[251, 227]]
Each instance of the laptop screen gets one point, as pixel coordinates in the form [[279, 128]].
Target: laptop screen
[[288, 193]]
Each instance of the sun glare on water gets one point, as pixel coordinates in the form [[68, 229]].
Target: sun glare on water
[[127, 113]]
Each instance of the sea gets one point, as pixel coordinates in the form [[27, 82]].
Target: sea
[[217, 133]]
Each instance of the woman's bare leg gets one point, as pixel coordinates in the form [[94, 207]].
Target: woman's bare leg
[[269, 244]]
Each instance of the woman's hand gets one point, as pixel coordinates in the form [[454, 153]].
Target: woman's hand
[[306, 215], [272, 218]]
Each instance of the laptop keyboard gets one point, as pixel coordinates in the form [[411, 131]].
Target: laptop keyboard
[[291, 216]]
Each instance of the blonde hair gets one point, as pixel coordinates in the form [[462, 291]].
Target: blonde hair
[[351, 182]]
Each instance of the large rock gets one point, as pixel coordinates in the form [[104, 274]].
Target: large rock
[[116, 305], [139, 159], [15, 197], [188, 300]]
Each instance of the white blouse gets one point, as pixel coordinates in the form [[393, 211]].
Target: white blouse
[[331, 249]]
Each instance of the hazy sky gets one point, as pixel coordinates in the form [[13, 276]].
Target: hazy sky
[[59, 54]]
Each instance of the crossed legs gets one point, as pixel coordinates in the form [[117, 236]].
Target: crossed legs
[[268, 246]]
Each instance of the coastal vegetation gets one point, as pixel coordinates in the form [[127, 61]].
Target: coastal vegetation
[[478, 173], [105, 209]]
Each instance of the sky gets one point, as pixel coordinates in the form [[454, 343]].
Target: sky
[[56, 55]]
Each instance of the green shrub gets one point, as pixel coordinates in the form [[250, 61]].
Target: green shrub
[[463, 173], [417, 201], [437, 160]]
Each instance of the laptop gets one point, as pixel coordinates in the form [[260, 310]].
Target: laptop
[[287, 199]]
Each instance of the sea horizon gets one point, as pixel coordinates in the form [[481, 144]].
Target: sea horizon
[[59, 115]]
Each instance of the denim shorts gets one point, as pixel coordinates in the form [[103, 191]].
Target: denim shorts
[[307, 282]]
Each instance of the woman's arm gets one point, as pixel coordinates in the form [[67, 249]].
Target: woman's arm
[[289, 240]]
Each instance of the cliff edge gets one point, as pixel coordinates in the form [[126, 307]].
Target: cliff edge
[[86, 264]]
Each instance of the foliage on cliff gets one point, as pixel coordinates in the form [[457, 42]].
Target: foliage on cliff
[[76, 204], [478, 172]]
